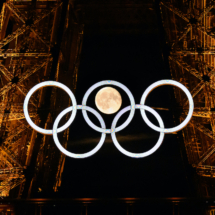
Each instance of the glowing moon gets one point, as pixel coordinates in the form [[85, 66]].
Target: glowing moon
[[108, 100]]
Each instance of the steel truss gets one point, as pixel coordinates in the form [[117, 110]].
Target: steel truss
[[190, 34], [27, 44]]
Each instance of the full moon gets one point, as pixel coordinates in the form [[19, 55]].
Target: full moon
[[108, 100]]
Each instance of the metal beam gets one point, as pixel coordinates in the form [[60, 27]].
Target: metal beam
[[15, 132], [2, 15], [186, 67], [205, 12], [196, 90], [14, 53], [24, 76], [204, 130], [16, 11], [16, 116], [175, 11]]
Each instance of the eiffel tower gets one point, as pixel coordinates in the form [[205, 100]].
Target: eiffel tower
[[190, 39], [36, 39]]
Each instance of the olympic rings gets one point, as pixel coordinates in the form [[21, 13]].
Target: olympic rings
[[37, 87], [174, 83], [144, 154], [63, 150], [103, 129]]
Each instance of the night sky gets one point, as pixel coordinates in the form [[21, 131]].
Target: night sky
[[135, 61]]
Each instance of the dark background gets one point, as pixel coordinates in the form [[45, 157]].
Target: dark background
[[135, 61]]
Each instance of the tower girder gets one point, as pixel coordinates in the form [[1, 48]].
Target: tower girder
[[26, 58], [191, 41]]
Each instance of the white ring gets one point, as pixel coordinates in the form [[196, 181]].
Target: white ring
[[103, 129], [144, 154], [70, 154], [174, 83], [44, 84], [109, 82]]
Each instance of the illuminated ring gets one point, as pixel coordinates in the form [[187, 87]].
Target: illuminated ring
[[41, 85], [144, 154], [174, 83], [70, 154], [101, 83]]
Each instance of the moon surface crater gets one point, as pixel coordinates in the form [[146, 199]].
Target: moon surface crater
[[108, 100]]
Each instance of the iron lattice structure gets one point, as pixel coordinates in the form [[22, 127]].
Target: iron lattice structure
[[190, 34], [29, 49]]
